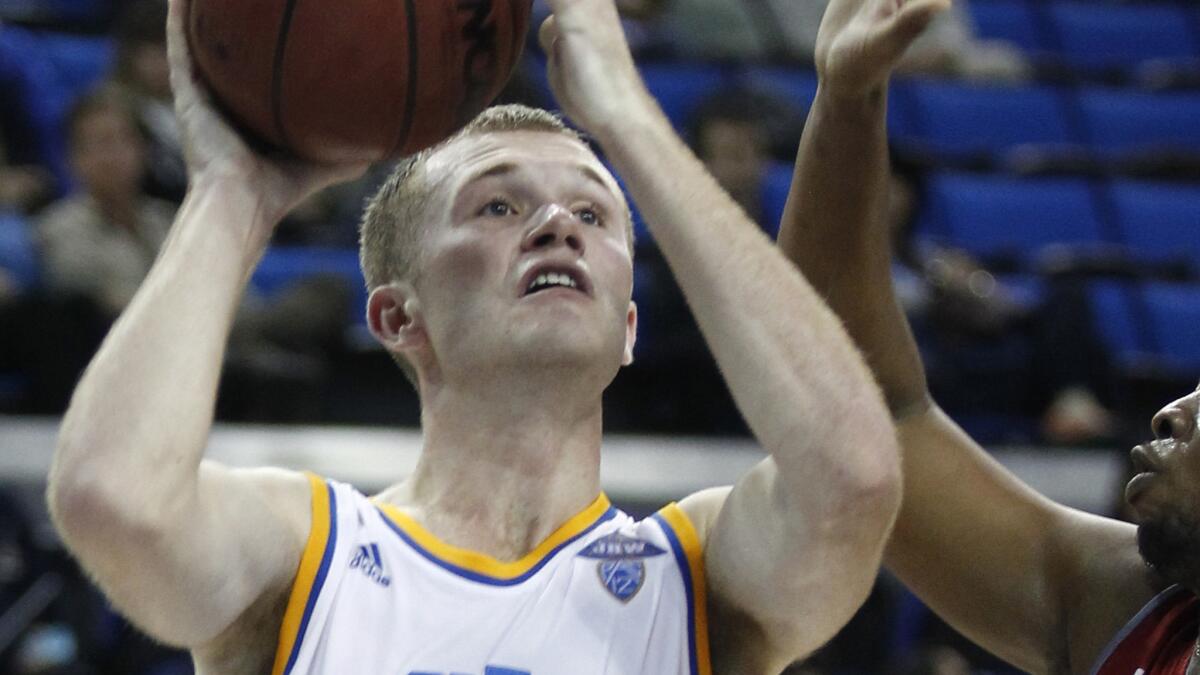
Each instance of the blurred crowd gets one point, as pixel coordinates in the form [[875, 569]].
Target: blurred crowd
[[93, 201]]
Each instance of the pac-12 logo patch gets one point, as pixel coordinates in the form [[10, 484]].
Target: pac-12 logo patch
[[620, 565]]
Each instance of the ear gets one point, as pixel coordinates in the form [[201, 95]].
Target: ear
[[630, 333], [394, 317]]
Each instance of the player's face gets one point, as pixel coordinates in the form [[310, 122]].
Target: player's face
[[1166, 492], [528, 261]]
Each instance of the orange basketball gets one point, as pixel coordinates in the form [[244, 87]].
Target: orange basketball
[[355, 80]]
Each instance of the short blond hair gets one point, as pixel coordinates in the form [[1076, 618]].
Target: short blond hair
[[393, 222]]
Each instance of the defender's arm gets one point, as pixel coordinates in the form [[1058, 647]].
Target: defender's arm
[[1040, 585]]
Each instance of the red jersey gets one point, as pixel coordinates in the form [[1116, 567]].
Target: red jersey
[[1160, 640]]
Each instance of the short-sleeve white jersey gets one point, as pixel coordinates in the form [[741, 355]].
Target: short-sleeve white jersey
[[378, 594]]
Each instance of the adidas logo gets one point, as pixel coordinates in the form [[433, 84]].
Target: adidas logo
[[368, 559]]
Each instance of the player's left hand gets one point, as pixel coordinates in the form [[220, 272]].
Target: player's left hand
[[860, 42], [589, 65]]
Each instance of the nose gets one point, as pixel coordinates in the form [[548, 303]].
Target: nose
[[1174, 422], [554, 225]]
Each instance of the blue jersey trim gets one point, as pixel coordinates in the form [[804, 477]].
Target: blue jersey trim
[[319, 582], [1157, 601], [685, 571], [483, 578]]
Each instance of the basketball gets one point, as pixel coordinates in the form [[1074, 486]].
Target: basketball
[[354, 80]]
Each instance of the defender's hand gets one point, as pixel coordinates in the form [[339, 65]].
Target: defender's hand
[[861, 41], [217, 155], [589, 65]]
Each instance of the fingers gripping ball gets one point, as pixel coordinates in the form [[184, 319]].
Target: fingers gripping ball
[[355, 80]]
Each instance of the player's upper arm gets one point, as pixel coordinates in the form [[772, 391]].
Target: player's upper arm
[[797, 573], [1001, 563], [185, 572]]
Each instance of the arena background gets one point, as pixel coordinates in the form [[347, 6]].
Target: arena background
[[1046, 214]]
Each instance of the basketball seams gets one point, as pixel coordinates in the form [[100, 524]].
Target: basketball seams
[[281, 40], [410, 94]]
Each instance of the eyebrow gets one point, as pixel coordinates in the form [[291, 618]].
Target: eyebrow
[[505, 168]]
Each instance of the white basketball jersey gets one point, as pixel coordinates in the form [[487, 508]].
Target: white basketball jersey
[[377, 594]]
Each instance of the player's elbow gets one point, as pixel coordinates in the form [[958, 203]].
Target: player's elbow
[[91, 512], [868, 488]]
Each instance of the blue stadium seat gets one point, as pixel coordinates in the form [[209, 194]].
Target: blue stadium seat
[[794, 85], [1119, 120], [18, 256], [681, 87], [44, 11], [58, 69], [1003, 216], [1174, 314], [775, 186], [1112, 305], [1012, 21], [957, 120], [1096, 36], [1159, 221], [80, 61], [284, 265]]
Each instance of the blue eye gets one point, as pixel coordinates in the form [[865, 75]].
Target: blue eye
[[497, 208], [588, 216]]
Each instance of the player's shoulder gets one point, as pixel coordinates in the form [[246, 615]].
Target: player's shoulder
[[287, 493], [703, 507]]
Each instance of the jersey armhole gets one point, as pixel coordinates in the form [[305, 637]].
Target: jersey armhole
[[310, 575], [1133, 624], [689, 554]]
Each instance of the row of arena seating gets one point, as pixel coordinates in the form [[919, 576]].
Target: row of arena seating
[[951, 122], [1088, 35], [1150, 327], [998, 216], [959, 122], [1093, 35]]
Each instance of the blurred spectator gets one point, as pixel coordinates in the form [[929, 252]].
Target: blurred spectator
[[758, 29], [712, 29], [1045, 361], [729, 135], [736, 132], [101, 241], [98, 245], [143, 72]]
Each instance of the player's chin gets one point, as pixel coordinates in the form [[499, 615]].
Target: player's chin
[[1170, 543]]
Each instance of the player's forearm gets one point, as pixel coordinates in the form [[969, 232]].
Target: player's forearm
[[797, 379], [834, 228], [132, 439]]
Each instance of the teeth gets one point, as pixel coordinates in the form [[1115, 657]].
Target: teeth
[[552, 279]]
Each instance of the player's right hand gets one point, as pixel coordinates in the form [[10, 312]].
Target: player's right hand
[[861, 42], [218, 157]]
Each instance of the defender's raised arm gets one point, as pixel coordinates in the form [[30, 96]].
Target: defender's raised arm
[[1042, 586]]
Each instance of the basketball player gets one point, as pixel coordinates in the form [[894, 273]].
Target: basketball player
[[1047, 588], [500, 270]]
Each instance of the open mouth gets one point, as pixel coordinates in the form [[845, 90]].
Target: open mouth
[[545, 278]]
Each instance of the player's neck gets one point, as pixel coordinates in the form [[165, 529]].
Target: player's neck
[[500, 471]]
